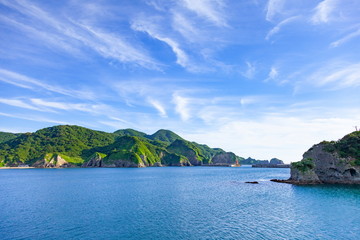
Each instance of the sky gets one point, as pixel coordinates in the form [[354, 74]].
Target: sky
[[259, 78]]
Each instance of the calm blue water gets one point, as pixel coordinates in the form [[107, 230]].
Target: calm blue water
[[172, 203]]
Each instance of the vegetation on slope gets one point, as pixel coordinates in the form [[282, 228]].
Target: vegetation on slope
[[67, 140], [187, 149], [78, 144], [6, 136], [165, 136], [129, 132], [347, 147], [304, 165]]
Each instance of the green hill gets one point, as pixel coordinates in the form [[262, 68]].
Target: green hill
[[6, 136], [129, 132], [65, 139], [69, 146], [165, 136]]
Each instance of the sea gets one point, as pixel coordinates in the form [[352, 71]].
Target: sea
[[172, 203]]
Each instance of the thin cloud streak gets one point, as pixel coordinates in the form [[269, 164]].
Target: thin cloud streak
[[345, 39], [323, 11], [273, 8], [210, 10], [280, 25], [61, 31], [34, 118], [23, 81], [158, 106]]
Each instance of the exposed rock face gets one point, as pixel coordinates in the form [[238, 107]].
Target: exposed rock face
[[95, 161], [157, 164], [56, 161], [223, 158], [327, 168]]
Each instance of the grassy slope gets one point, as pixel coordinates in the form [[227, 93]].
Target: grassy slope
[[77, 144], [67, 140]]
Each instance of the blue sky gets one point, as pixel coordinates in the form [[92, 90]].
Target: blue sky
[[259, 78]]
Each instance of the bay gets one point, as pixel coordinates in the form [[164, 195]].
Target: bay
[[172, 203]]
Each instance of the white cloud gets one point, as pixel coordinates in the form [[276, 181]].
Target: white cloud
[[337, 76], [19, 103], [323, 11], [274, 7], [73, 36], [211, 10], [345, 39], [284, 137], [278, 27], [182, 106], [185, 27], [158, 106], [23, 81], [251, 70], [273, 74], [150, 27], [34, 118], [101, 109]]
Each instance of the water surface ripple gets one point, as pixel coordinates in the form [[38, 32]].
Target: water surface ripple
[[172, 203]]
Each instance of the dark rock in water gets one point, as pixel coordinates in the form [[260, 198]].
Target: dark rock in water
[[329, 162], [254, 182]]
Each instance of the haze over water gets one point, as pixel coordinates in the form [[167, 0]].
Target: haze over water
[[172, 203]]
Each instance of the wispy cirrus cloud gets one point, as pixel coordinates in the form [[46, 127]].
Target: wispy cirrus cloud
[[280, 25], [333, 76], [19, 103], [23, 81], [273, 74], [34, 118], [250, 71], [153, 29], [337, 76], [75, 36], [323, 11], [210, 10], [182, 106], [158, 106], [273, 8], [346, 38]]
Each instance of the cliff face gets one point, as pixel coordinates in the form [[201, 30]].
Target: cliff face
[[55, 161], [329, 162]]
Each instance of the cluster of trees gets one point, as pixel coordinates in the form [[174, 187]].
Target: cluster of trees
[[74, 142]]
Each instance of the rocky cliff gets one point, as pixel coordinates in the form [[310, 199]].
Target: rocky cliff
[[329, 162]]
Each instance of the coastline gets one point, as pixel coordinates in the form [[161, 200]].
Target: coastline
[[15, 167]]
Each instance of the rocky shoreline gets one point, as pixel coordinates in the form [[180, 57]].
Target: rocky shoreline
[[336, 162]]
